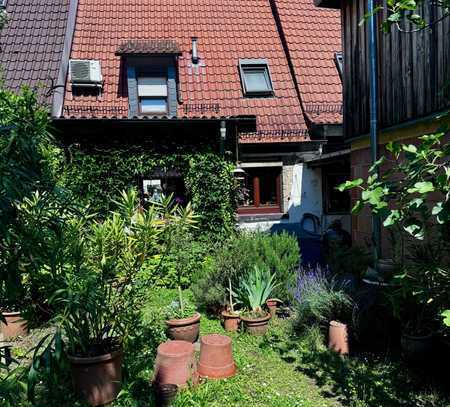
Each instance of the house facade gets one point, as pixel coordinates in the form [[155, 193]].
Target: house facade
[[258, 81], [413, 78]]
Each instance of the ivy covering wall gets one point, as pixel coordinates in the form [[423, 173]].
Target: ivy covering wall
[[96, 176]]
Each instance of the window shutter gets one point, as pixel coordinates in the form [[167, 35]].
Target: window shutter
[[152, 87]]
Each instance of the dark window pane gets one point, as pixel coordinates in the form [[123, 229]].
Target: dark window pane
[[261, 187], [268, 189], [337, 202]]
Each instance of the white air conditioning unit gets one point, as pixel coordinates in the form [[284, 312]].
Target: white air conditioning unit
[[85, 72]]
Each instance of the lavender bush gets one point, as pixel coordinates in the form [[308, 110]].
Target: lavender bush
[[319, 298]]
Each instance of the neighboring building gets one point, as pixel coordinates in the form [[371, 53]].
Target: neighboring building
[[414, 73], [33, 44]]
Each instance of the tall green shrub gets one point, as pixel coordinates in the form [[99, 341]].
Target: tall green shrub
[[27, 156], [238, 256]]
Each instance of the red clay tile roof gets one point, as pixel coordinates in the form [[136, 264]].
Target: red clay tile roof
[[32, 43], [313, 36], [227, 30], [146, 47]]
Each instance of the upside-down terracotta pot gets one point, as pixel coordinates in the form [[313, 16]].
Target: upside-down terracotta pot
[[15, 325], [98, 379], [216, 357], [272, 304], [186, 329], [231, 321], [175, 363], [256, 326], [338, 337]]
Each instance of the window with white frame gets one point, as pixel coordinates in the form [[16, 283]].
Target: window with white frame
[[255, 76], [152, 93]]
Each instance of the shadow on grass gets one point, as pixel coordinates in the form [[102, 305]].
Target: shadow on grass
[[365, 379]]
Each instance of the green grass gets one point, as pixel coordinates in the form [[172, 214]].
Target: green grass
[[263, 378]]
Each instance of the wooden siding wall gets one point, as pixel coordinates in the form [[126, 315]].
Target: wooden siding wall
[[413, 69]]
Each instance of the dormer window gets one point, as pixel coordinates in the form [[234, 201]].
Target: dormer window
[[152, 93], [151, 71], [255, 77]]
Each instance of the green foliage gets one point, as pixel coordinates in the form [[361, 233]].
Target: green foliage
[[402, 193], [446, 317], [25, 155], [401, 12], [255, 289], [347, 260], [320, 299], [208, 178], [174, 310], [12, 386], [97, 298], [237, 256], [212, 188], [364, 380], [423, 287]]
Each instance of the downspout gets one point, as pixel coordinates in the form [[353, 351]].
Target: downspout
[[60, 87], [373, 80]]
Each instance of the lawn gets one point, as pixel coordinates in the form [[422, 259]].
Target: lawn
[[263, 378]]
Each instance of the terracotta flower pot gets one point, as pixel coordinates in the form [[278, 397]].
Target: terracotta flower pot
[[256, 326], [98, 378], [231, 321], [272, 304], [15, 325], [216, 357], [417, 348], [338, 337], [165, 394], [186, 329], [175, 363]]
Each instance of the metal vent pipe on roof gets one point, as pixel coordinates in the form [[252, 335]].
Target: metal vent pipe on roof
[[195, 57]]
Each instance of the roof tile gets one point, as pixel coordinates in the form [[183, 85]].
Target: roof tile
[[227, 31], [313, 37], [32, 43]]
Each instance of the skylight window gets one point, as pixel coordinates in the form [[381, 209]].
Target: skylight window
[[255, 77]]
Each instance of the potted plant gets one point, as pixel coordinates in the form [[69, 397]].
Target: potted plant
[[183, 321], [253, 292], [322, 300], [231, 318], [340, 315], [99, 302], [12, 323]]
